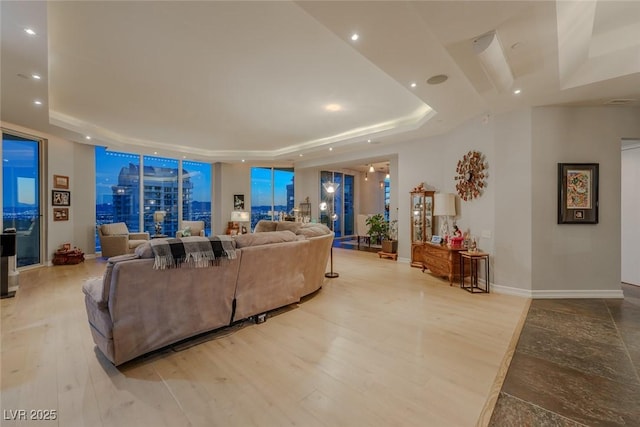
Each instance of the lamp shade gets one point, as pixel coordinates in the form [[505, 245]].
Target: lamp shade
[[444, 204], [158, 216], [240, 216]]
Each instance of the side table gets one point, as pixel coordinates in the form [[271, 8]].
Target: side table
[[66, 257], [473, 258]]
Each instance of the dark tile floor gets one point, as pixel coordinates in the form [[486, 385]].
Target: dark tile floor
[[577, 363]]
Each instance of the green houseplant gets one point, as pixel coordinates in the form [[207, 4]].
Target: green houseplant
[[384, 232]]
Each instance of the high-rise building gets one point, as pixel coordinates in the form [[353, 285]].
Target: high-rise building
[[160, 191]]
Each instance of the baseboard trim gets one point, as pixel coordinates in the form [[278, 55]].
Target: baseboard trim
[[582, 293], [558, 294], [508, 290]]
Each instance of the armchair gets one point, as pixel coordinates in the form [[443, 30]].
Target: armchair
[[196, 228], [115, 239], [362, 229]]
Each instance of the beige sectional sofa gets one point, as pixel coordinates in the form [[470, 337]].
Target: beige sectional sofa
[[134, 309]]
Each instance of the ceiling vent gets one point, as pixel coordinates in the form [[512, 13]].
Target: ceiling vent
[[620, 101]]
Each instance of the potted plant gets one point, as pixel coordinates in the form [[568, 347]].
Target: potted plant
[[384, 232], [390, 241]]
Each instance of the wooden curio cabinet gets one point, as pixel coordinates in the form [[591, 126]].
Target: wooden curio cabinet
[[421, 222]]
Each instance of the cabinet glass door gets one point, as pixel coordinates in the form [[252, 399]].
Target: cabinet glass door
[[417, 217], [428, 216]]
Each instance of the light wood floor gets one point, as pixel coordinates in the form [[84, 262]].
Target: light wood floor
[[382, 345]]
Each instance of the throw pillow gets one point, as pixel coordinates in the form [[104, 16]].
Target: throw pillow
[[186, 232], [144, 250]]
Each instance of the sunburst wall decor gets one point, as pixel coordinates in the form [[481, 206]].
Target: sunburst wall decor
[[470, 175]]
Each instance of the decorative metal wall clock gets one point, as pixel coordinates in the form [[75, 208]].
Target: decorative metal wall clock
[[470, 175]]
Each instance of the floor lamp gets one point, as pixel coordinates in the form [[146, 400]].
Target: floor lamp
[[331, 188]]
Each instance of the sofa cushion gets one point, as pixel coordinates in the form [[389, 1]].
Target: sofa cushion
[[313, 230], [135, 243], [288, 225], [264, 238], [115, 229], [265, 225]]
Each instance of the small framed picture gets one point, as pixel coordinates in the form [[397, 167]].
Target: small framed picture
[[436, 239], [238, 202], [66, 246], [60, 198], [61, 214], [60, 181]]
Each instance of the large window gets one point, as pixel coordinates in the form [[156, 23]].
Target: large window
[[21, 195], [196, 193], [272, 195], [118, 191], [338, 204], [160, 183]]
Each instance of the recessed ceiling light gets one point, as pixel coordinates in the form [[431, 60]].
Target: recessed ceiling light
[[36, 76], [333, 107], [437, 79], [369, 141], [155, 152], [30, 31], [87, 137], [355, 36], [517, 92], [301, 155], [330, 148], [184, 157], [242, 160], [37, 102], [414, 84]]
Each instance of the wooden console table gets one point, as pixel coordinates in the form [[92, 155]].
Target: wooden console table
[[444, 261]]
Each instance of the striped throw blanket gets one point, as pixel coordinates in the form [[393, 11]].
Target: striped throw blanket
[[194, 251]]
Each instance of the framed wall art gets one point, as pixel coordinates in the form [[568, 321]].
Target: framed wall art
[[238, 202], [61, 214], [60, 198], [578, 193], [60, 181]]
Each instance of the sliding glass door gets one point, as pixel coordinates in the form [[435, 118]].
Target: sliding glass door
[[338, 205], [21, 195]]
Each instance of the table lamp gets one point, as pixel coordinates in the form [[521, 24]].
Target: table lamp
[[444, 204], [240, 217], [158, 218]]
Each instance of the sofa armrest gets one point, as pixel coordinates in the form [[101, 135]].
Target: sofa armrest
[[139, 236], [114, 245]]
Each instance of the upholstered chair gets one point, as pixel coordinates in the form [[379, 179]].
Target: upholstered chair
[[191, 228], [362, 229], [115, 239]]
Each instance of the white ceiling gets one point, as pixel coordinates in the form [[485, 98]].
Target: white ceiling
[[224, 81]]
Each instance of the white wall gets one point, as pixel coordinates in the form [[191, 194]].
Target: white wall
[[370, 195], [512, 167], [630, 217], [433, 162], [577, 257], [233, 179]]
